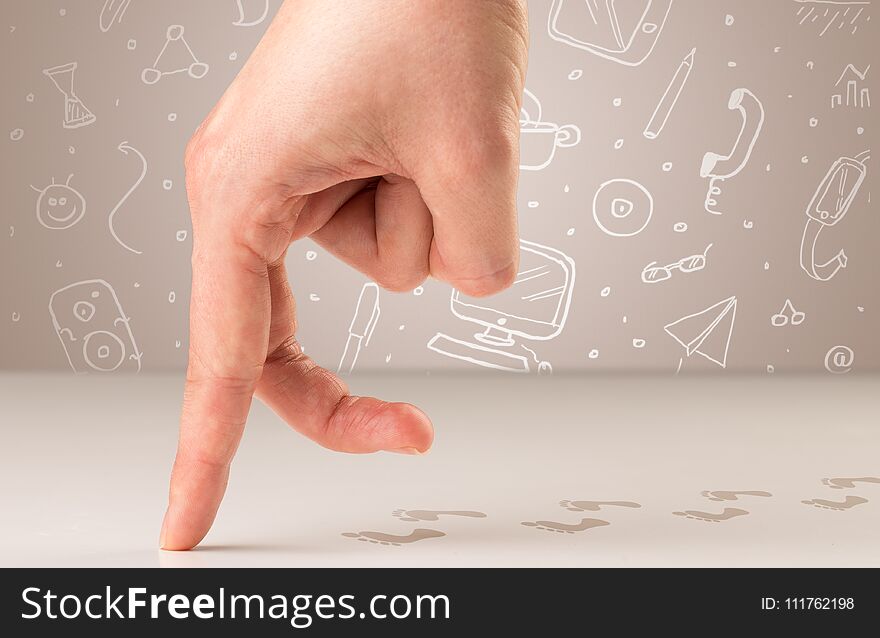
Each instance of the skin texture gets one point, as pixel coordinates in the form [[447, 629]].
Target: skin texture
[[386, 130]]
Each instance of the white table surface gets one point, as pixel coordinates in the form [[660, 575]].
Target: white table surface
[[84, 463]]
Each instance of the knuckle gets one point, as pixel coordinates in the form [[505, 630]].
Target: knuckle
[[487, 145], [396, 279]]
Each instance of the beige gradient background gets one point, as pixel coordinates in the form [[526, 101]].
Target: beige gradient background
[[790, 67]]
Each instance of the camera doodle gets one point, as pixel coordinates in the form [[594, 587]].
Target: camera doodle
[[93, 328]]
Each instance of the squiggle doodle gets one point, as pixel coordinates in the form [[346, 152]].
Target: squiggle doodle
[[125, 148]]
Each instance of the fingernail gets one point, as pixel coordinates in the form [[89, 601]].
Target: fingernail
[[406, 450], [162, 533]]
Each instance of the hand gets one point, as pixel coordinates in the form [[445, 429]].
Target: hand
[[386, 130]]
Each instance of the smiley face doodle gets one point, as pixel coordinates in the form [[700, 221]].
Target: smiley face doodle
[[59, 206]]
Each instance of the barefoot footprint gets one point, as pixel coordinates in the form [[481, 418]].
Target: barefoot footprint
[[565, 528], [381, 538], [413, 516], [709, 517], [723, 495], [848, 483], [594, 506], [848, 503]]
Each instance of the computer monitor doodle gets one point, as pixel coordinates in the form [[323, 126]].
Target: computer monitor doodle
[[624, 31], [534, 308]]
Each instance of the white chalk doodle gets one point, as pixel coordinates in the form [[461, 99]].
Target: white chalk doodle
[[839, 360], [59, 206], [534, 308], [93, 328], [112, 13], [708, 332], [603, 28], [850, 89], [251, 12], [652, 273], [670, 97], [163, 66], [844, 15], [787, 316], [76, 114], [622, 207], [539, 139], [360, 331], [126, 148], [829, 205], [719, 168]]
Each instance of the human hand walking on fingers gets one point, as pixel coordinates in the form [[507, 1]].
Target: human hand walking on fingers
[[385, 130]]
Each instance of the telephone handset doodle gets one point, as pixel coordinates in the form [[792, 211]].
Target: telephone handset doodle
[[611, 29], [719, 168], [829, 205]]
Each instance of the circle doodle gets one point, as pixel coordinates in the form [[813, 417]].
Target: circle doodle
[[622, 207]]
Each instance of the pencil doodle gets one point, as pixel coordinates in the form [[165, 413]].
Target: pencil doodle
[[360, 331], [670, 97]]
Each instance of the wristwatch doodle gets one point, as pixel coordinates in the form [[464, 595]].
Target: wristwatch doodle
[[829, 205]]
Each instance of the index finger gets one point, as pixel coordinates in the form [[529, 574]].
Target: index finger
[[229, 331]]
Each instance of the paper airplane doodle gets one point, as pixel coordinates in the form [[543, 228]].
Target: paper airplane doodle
[[708, 332]]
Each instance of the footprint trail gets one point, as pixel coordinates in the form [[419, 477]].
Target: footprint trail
[[723, 495], [595, 506], [413, 516], [709, 517], [848, 503], [565, 528], [382, 538]]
